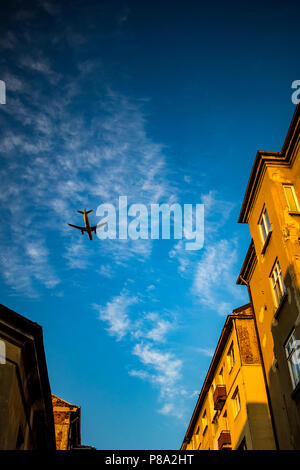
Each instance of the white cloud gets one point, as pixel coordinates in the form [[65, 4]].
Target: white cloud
[[215, 275], [115, 313], [159, 331], [57, 158], [106, 270], [208, 352], [168, 409], [76, 254], [151, 287], [217, 212], [182, 256], [160, 367], [165, 369], [25, 265], [41, 65]]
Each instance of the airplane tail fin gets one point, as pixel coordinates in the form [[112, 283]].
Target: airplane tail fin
[[87, 212]]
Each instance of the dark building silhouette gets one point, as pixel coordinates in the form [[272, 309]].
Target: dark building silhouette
[[30, 417], [26, 415]]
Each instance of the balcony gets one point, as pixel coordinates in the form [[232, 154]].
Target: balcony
[[224, 441], [219, 397]]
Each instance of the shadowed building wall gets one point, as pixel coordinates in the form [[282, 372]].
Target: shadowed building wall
[[26, 415]]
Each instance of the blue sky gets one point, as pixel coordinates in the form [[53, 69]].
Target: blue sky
[[161, 102]]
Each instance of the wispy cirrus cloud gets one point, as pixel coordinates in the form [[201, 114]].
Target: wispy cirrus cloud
[[215, 276], [216, 213], [148, 331], [208, 352], [154, 326], [163, 369], [57, 158], [115, 315], [40, 65], [213, 270], [26, 268]]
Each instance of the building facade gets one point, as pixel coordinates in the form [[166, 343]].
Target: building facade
[[30, 417], [271, 271], [67, 424], [232, 409], [26, 415]]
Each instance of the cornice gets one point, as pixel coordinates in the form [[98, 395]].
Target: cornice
[[248, 265], [265, 158]]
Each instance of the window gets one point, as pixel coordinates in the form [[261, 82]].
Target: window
[[221, 377], [277, 283], [197, 430], [265, 226], [211, 401], [291, 198], [236, 401], [204, 421], [230, 358], [293, 357], [216, 423], [225, 421]]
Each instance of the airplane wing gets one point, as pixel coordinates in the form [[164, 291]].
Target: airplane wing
[[94, 229], [76, 226]]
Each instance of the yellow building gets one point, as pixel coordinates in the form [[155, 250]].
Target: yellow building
[[271, 271], [232, 409], [67, 424]]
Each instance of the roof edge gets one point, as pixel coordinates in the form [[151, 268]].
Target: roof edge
[[262, 157], [213, 365]]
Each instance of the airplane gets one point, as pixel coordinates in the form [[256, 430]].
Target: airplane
[[87, 227]]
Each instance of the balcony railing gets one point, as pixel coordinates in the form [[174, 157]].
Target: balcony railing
[[219, 397], [224, 441]]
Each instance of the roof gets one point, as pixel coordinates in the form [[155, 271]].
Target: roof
[[63, 407], [264, 158], [57, 401]]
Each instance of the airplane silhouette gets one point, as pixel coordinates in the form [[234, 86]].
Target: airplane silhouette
[[87, 228]]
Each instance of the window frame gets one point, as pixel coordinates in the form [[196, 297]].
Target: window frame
[[221, 376], [231, 357], [294, 196], [294, 372], [236, 400], [225, 420], [277, 281], [204, 420], [265, 226]]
